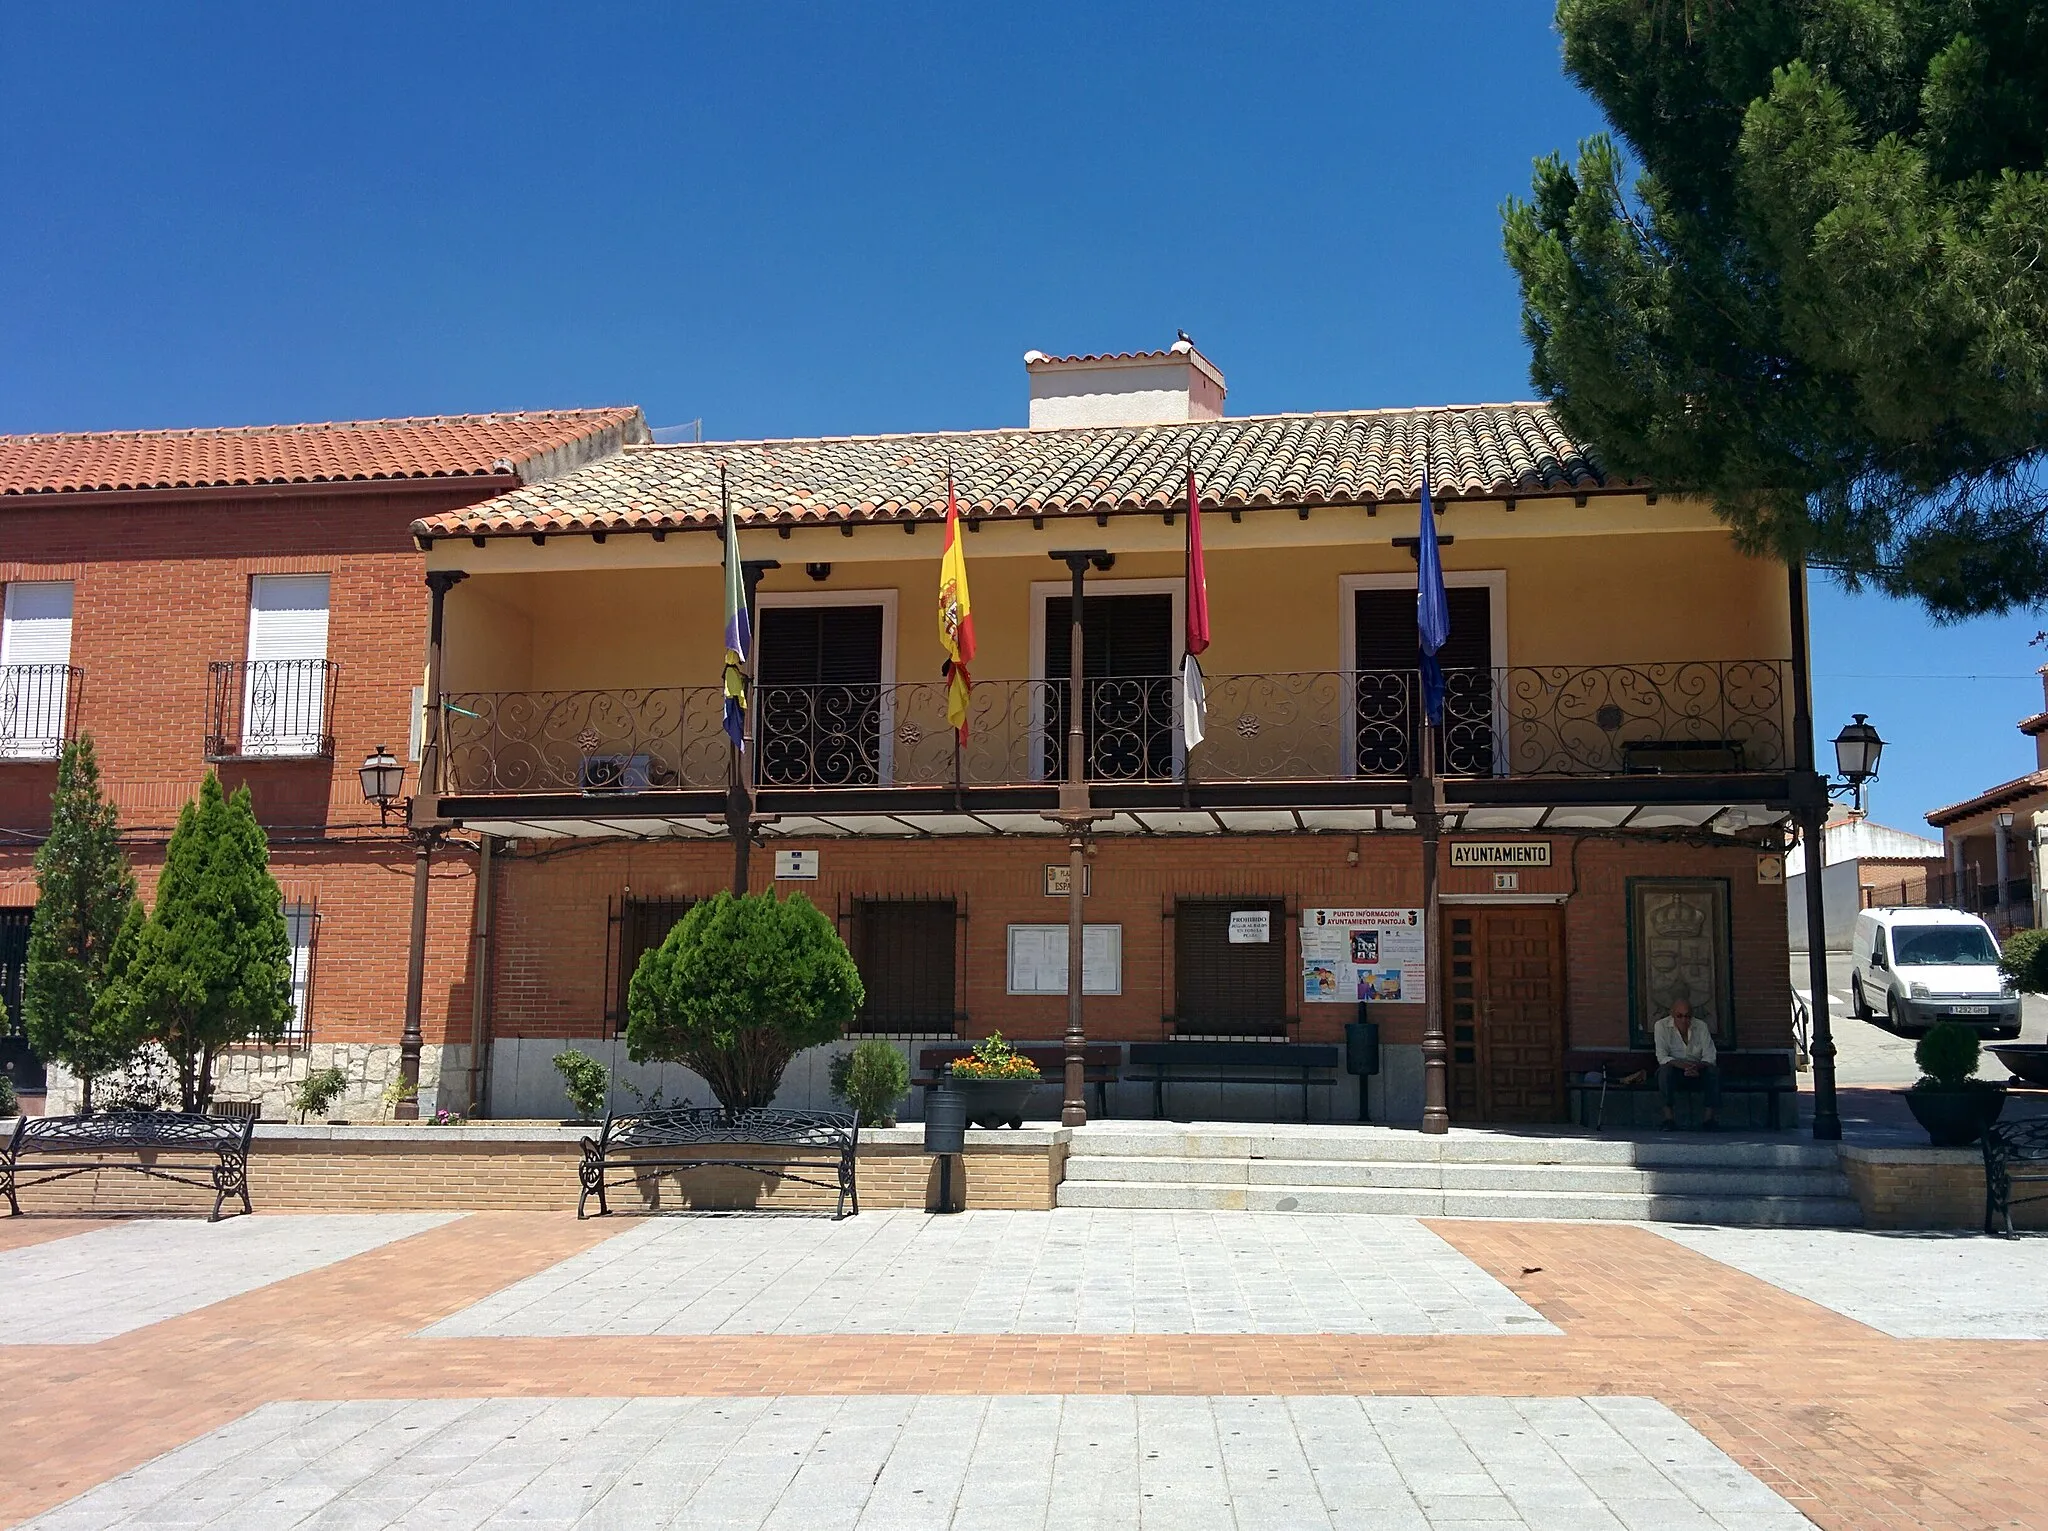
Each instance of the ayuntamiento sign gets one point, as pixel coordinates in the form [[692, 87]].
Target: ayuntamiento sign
[[1500, 853]]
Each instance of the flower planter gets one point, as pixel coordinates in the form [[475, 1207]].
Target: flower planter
[[994, 1102], [1956, 1118]]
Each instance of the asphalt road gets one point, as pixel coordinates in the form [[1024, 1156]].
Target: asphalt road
[[1869, 1053]]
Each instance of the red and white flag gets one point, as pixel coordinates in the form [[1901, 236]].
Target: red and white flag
[[1194, 709]]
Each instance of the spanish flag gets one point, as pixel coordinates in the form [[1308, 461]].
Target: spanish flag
[[956, 617]]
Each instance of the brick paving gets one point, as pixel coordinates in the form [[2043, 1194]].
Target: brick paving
[[1852, 1427]]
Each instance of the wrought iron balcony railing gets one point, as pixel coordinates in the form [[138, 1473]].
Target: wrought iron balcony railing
[[38, 709], [1706, 717], [271, 709]]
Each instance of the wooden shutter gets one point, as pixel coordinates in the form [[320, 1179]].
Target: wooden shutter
[[821, 646], [1121, 635], [1226, 989], [1385, 630], [904, 949]]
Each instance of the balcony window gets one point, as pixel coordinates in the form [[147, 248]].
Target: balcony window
[[1387, 657], [1128, 643], [277, 704], [36, 676], [819, 694]]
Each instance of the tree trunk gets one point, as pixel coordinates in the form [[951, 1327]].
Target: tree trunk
[[747, 1074], [85, 1094], [204, 1091]]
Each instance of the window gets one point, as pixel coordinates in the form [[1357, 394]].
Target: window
[[1038, 959], [284, 683], [1386, 655], [819, 695], [1127, 695], [904, 949], [22, 1068], [35, 669], [302, 928], [1226, 988], [636, 927]]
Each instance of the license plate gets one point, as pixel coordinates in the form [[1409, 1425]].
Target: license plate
[[1969, 1010]]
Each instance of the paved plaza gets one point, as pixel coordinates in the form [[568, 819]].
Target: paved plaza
[[1079, 1368]]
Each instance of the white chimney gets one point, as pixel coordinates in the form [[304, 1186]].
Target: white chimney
[[1167, 387]]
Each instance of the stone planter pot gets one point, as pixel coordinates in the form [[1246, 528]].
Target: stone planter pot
[[993, 1102], [1956, 1118]]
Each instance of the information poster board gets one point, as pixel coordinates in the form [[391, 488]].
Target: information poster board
[[1352, 954], [1038, 959]]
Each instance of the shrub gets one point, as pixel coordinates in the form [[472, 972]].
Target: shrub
[[318, 1091], [398, 1091], [587, 1081], [993, 1058], [741, 985], [1947, 1055], [10, 1103], [2025, 960], [871, 1079]]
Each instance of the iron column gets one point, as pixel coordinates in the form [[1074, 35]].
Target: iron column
[[1810, 805], [1075, 816]]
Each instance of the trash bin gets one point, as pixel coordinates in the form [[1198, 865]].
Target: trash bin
[[945, 1134], [1362, 1053]]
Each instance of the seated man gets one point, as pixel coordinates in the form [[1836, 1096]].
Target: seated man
[[1685, 1051]]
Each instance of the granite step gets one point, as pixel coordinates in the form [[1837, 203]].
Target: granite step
[[1626, 1179]]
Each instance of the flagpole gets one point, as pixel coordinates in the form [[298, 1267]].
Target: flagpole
[[1428, 808], [739, 810]]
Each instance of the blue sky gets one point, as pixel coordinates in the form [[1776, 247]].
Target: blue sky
[[788, 220]]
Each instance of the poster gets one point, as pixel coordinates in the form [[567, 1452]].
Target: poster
[[1038, 959], [1372, 954]]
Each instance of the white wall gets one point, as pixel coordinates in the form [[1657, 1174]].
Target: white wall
[[1841, 884]]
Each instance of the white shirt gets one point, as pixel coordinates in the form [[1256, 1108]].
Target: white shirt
[[1672, 1048]]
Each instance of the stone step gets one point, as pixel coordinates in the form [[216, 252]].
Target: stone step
[[1773, 1211], [1384, 1145], [1622, 1179]]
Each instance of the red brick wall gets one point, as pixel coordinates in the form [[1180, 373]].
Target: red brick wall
[[162, 589], [550, 933]]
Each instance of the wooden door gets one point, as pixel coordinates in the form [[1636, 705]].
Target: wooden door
[[1506, 1013]]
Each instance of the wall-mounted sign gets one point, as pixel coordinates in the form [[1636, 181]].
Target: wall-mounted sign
[[1038, 959], [1506, 882], [1251, 927], [1352, 954], [798, 865], [1770, 870], [1500, 853], [1059, 880]]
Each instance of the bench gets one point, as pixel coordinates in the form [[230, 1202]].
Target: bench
[[1101, 1062], [1160, 1063], [160, 1145], [800, 1146], [1590, 1075], [2013, 1151]]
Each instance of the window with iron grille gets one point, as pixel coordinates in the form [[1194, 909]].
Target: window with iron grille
[[636, 927], [1224, 988], [302, 927], [904, 949], [1387, 647]]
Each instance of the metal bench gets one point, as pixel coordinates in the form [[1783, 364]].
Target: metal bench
[[2013, 1152], [798, 1146], [1160, 1063], [160, 1145], [1591, 1074], [1101, 1063]]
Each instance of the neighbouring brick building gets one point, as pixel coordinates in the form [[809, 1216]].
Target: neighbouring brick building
[[1625, 736], [253, 599]]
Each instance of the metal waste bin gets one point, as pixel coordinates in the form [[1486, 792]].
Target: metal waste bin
[[945, 1134], [1362, 1053]]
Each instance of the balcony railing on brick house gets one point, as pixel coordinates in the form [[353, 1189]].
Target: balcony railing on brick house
[[38, 709], [271, 709], [1704, 717]]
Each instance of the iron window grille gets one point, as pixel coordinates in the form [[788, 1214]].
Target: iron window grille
[[1224, 989], [633, 927], [271, 709], [907, 950]]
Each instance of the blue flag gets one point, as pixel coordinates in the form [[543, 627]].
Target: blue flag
[[739, 637], [1432, 608]]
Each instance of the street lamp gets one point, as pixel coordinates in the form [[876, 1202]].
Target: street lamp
[[383, 779], [1857, 751], [2002, 846]]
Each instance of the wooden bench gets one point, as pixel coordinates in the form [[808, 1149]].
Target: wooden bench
[[2013, 1152], [799, 1146], [1233, 1062], [159, 1145], [1101, 1063], [1591, 1074]]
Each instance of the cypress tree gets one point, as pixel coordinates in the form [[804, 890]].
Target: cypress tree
[[84, 891], [212, 966]]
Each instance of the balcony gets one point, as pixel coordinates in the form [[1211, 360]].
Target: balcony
[[38, 709], [1325, 735], [271, 709]]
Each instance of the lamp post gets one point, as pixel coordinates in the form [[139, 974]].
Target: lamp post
[[1857, 751], [383, 779], [2002, 860]]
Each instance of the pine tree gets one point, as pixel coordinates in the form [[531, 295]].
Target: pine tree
[[1822, 301], [84, 891], [212, 966]]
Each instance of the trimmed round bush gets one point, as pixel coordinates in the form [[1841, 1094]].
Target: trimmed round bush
[[872, 1079], [1948, 1054]]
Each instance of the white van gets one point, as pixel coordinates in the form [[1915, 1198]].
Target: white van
[[1913, 967]]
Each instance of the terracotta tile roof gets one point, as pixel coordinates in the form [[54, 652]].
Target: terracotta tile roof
[[436, 446], [1485, 450], [2019, 788]]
